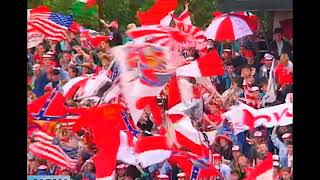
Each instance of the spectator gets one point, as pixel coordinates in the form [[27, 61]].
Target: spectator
[[279, 46], [225, 170], [129, 27], [224, 146], [40, 51], [73, 72], [286, 174], [86, 68], [276, 170], [282, 146], [264, 70], [39, 80], [55, 80]]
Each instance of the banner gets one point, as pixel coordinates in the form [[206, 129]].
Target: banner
[[276, 115], [34, 38]]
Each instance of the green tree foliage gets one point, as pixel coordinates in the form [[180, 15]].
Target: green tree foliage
[[124, 11]]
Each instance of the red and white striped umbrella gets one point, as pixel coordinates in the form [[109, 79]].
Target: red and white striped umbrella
[[254, 18], [180, 35], [229, 27]]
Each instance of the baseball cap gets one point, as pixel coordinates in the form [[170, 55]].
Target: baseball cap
[[268, 56], [257, 134], [255, 88], [36, 67]]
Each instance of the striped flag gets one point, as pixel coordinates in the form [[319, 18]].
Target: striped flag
[[184, 17], [53, 25], [45, 147]]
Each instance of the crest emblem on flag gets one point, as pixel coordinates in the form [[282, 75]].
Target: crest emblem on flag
[[151, 63]]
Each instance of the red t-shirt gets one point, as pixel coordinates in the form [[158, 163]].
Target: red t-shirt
[[283, 74]]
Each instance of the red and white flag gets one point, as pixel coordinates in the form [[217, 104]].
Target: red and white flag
[[184, 17], [155, 14], [245, 117], [45, 149], [263, 171], [207, 65], [152, 150]]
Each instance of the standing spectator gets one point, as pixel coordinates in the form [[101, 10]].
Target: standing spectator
[[40, 50], [39, 80], [264, 70], [55, 78], [284, 76], [224, 169], [224, 146], [279, 46], [276, 170], [282, 146]]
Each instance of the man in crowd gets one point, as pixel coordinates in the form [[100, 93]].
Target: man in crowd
[[279, 46]]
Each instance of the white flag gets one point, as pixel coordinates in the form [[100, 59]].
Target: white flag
[[270, 95]]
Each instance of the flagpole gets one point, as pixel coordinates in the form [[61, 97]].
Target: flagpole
[[100, 4]]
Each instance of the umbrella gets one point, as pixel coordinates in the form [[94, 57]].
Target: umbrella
[[229, 27], [180, 35], [254, 18]]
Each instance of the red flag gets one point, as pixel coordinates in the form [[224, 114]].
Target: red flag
[[157, 12], [263, 171], [207, 65]]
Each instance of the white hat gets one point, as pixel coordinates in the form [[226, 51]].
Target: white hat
[[276, 163], [257, 134], [182, 174], [275, 157], [286, 135], [226, 50], [42, 167], [235, 148], [255, 88], [163, 176], [268, 56], [121, 166], [190, 58], [47, 56], [36, 67]]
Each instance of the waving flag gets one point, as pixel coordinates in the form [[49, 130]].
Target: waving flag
[[45, 148], [84, 8], [53, 25], [159, 10], [263, 171], [152, 150], [207, 65], [144, 73], [48, 107], [184, 17]]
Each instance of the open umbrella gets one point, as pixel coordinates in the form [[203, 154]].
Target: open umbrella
[[229, 27], [254, 18]]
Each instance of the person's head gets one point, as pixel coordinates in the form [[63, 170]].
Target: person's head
[[255, 92], [41, 49], [66, 56], [251, 80], [246, 71], [131, 26], [73, 72], [242, 50], [262, 149], [65, 172], [264, 86], [230, 68], [286, 173], [284, 59], [121, 170], [287, 138], [55, 75], [235, 175], [236, 151], [227, 55], [242, 161], [86, 68], [77, 48], [223, 142], [104, 45], [277, 34], [36, 69], [267, 59], [105, 60]]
